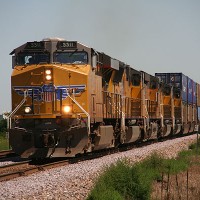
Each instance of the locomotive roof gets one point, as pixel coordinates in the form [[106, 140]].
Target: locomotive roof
[[41, 45]]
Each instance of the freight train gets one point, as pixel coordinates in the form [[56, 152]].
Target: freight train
[[70, 99]]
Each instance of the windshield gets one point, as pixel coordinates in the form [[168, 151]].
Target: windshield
[[73, 57], [32, 58]]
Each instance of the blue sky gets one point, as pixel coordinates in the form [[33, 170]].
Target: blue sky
[[150, 35]]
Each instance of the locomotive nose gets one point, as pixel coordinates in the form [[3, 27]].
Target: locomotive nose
[[22, 143]]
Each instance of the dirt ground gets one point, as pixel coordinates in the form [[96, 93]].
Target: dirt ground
[[183, 186]]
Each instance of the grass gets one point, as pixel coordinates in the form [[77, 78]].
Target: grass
[[125, 181], [122, 181], [3, 142]]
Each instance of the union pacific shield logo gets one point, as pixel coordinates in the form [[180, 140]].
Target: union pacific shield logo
[[63, 91], [48, 92]]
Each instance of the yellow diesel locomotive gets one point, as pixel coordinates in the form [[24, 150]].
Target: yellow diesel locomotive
[[69, 99]]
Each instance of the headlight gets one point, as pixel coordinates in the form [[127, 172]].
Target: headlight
[[47, 71], [67, 109], [48, 74], [27, 109], [48, 77]]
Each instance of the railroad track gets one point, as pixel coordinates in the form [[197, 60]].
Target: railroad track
[[25, 168], [11, 171], [6, 153], [8, 172]]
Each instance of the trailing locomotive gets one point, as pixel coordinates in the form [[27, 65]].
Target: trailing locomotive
[[69, 99]]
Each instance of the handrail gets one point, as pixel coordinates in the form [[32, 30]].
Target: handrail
[[16, 109], [87, 114]]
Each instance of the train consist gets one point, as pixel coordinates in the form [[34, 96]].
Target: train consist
[[69, 99]]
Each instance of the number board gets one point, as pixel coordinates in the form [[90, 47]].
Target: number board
[[67, 45], [34, 45]]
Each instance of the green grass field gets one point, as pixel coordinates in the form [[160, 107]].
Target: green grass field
[[3, 142]]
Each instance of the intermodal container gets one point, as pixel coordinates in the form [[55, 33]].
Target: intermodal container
[[163, 77], [184, 88], [198, 111], [178, 80], [194, 98], [198, 94], [189, 90]]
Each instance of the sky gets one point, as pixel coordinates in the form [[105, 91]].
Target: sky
[[150, 35]]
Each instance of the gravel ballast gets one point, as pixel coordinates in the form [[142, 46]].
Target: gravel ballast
[[75, 181]]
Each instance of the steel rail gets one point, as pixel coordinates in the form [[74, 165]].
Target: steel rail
[[6, 153]]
